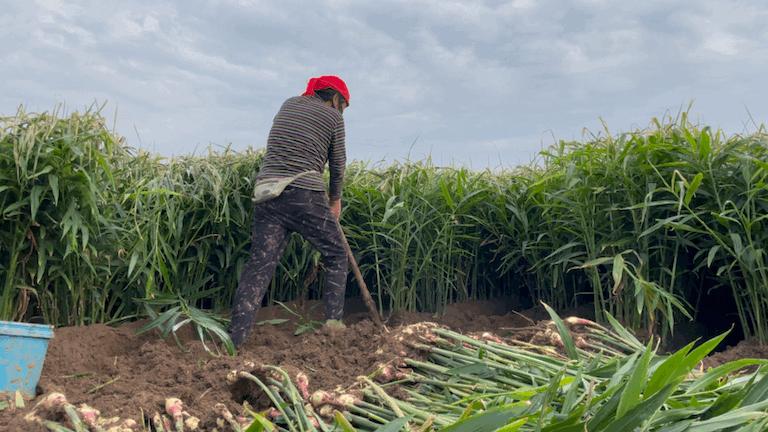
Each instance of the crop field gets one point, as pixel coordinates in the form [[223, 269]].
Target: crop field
[[564, 295]]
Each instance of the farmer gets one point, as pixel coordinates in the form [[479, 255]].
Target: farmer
[[306, 133]]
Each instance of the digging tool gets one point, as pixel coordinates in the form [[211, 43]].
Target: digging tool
[[360, 282]]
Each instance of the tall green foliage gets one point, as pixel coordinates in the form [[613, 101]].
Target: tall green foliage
[[57, 183], [642, 224], [645, 223]]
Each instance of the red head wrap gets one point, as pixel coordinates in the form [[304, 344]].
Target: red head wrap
[[327, 81]]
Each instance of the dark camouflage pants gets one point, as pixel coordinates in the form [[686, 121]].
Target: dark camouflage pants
[[295, 210]]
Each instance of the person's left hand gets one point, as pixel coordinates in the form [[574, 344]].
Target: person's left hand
[[336, 208]]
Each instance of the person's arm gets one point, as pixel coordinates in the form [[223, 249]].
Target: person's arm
[[337, 162]]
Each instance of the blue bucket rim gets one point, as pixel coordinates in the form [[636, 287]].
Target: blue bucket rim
[[12, 328]]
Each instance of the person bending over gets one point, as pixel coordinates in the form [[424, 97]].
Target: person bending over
[[307, 133]]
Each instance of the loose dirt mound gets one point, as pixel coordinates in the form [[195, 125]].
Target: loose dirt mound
[[122, 374], [129, 376], [744, 349]]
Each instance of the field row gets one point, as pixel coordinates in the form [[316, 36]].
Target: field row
[[645, 225]]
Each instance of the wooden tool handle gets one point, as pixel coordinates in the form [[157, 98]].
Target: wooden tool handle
[[360, 282]]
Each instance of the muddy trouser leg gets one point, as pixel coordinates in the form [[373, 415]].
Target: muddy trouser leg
[[317, 225], [268, 241]]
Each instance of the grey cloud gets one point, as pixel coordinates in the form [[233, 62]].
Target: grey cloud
[[471, 82]]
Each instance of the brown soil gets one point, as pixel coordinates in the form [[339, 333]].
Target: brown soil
[[744, 349], [129, 376], [125, 375]]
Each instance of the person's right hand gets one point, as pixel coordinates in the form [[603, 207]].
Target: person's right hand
[[336, 208]]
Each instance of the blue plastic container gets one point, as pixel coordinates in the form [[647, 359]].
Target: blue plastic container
[[22, 352]]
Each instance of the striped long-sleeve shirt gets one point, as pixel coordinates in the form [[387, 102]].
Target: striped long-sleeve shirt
[[306, 134]]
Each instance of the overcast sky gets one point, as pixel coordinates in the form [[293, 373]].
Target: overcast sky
[[478, 83]]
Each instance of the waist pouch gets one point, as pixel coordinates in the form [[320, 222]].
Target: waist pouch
[[270, 188]]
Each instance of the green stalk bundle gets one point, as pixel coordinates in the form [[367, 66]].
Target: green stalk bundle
[[464, 386]]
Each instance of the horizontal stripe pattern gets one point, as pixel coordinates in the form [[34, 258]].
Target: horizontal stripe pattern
[[306, 134]]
